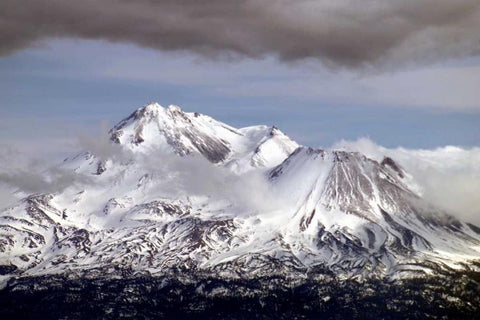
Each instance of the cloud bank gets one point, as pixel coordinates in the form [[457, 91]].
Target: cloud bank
[[448, 177], [343, 33]]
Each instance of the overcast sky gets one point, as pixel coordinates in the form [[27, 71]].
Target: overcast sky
[[403, 73]]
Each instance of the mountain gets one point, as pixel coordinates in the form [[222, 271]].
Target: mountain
[[181, 192]]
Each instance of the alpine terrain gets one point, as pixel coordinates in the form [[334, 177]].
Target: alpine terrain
[[180, 215]]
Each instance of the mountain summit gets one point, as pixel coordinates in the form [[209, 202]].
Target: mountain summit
[[153, 126], [192, 193]]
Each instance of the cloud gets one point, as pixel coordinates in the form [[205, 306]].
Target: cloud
[[98, 143], [448, 177], [169, 174], [195, 176], [341, 33], [25, 172], [49, 181]]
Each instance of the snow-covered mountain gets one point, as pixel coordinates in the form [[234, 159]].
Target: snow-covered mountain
[[184, 133], [181, 190]]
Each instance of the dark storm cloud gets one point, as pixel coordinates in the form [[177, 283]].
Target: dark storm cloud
[[343, 32]]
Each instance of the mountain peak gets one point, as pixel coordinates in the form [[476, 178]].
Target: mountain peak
[[185, 133], [155, 126]]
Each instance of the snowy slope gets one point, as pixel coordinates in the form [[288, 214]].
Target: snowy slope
[[182, 190]]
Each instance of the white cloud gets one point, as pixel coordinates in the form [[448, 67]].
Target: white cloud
[[448, 177]]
